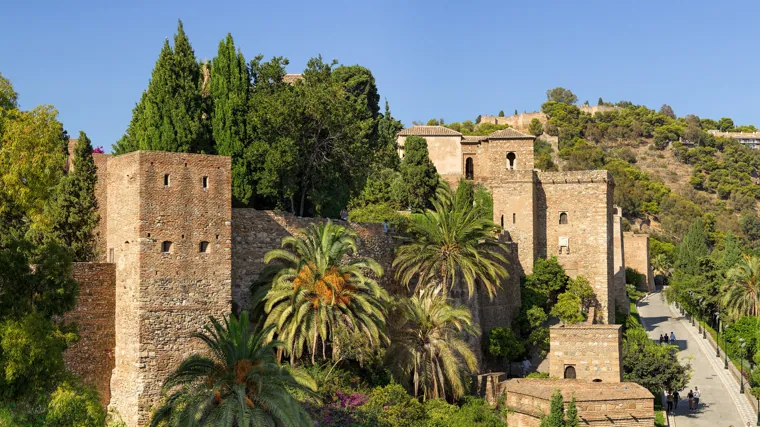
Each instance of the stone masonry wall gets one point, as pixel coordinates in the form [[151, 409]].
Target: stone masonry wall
[[618, 268], [92, 358], [173, 266], [637, 257], [586, 198], [593, 350]]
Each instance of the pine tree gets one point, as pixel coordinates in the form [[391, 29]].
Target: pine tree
[[418, 174], [600, 101], [516, 113], [169, 115], [556, 415], [477, 119], [732, 253], [692, 249], [572, 414], [74, 210], [387, 129], [501, 113], [230, 90]]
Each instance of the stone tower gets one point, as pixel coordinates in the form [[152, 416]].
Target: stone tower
[[169, 225]]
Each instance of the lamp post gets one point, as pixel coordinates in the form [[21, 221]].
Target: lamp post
[[717, 338], [699, 321], [741, 361], [725, 344]]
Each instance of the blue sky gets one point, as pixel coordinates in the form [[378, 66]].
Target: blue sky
[[451, 60]]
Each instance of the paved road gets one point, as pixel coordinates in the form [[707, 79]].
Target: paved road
[[721, 404]]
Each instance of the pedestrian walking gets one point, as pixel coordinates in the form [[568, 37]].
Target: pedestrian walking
[[691, 400], [676, 396], [697, 395], [666, 338], [669, 399], [672, 337], [661, 339]]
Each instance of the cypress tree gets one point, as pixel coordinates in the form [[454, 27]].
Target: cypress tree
[[477, 119], [387, 129], [572, 414], [74, 210], [418, 174], [501, 113], [169, 114], [556, 415], [692, 248], [732, 253], [230, 90]]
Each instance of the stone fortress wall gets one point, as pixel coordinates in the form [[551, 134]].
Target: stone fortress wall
[[637, 251], [522, 121]]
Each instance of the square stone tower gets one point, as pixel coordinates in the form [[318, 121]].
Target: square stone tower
[[586, 352], [169, 233]]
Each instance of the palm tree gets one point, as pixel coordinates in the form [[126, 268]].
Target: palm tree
[[239, 384], [320, 285], [660, 264], [450, 243], [427, 353], [742, 288]]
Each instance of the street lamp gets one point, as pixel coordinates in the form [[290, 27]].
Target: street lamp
[[741, 361], [725, 344], [699, 321], [717, 338]]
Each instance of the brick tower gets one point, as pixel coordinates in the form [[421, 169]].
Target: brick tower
[[169, 232]]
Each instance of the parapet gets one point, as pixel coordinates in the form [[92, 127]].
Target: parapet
[[575, 177]]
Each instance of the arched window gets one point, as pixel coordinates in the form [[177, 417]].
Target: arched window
[[203, 247], [563, 217], [469, 169], [570, 372], [511, 161]]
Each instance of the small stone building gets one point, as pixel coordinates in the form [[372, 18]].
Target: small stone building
[[585, 362]]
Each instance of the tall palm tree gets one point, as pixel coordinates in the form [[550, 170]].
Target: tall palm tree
[[452, 242], [320, 285], [742, 288], [239, 383], [427, 353]]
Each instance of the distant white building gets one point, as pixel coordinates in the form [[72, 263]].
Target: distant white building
[[751, 140]]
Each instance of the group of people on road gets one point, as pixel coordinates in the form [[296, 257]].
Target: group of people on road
[[665, 339], [693, 398]]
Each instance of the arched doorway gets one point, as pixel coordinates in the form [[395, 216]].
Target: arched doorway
[[570, 372], [469, 169], [511, 161]]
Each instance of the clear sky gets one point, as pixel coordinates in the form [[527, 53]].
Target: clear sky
[[451, 60]]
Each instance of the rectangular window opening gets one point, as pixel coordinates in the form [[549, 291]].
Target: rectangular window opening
[[166, 180], [205, 182]]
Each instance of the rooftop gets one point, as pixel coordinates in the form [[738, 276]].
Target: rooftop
[[472, 139], [509, 133], [429, 131], [584, 391]]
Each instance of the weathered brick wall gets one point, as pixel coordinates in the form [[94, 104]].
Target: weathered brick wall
[[593, 350], [598, 404], [92, 358], [586, 198], [165, 296], [637, 256]]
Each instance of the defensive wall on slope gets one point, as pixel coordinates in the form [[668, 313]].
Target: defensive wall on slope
[[637, 257]]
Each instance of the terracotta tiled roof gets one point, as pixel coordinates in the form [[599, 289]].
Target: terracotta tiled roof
[[509, 133], [429, 131], [473, 139], [291, 78], [582, 390]]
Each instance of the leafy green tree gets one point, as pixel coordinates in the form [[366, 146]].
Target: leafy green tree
[[169, 114], [8, 96], [451, 246], [418, 174], [230, 91], [556, 415], [548, 279], [568, 309], [502, 342], [581, 288], [560, 94], [501, 113], [74, 209], [600, 101], [732, 252], [655, 367], [692, 248], [725, 124], [572, 413], [741, 293], [72, 404], [239, 384], [477, 119], [381, 187], [427, 353], [535, 127], [313, 292]]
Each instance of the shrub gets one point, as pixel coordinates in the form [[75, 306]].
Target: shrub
[[633, 277], [391, 406], [538, 375], [377, 213], [473, 412], [73, 405], [502, 342]]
